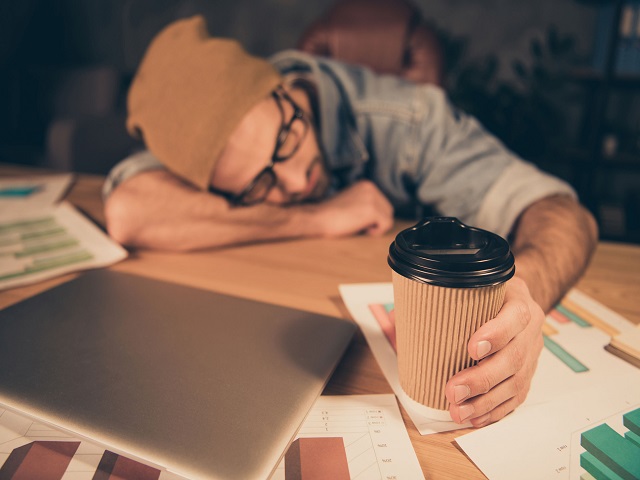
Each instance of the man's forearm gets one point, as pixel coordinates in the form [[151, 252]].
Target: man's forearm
[[156, 210], [553, 241]]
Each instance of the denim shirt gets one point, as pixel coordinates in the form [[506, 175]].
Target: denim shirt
[[411, 142]]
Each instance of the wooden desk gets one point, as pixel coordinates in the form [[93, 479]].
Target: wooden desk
[[305, 274]]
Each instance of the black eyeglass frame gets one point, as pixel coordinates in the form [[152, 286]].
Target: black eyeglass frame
[[240, 199]]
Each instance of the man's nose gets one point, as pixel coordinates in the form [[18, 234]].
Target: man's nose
[[291, 181]]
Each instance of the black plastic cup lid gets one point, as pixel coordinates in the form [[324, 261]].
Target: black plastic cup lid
[[445, 252]]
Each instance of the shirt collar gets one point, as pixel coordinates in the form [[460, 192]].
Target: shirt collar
[[341, 140]]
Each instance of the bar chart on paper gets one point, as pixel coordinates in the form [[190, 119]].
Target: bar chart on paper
[[345, 437], [33, 450], [610, 449], [51, 241], [37, 244], [571, 313], [353, 437], [591, 434]]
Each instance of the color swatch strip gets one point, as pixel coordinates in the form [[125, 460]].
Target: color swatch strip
[[384, 317], [572, 316], [565, 357], [586, 316], [559, 317]]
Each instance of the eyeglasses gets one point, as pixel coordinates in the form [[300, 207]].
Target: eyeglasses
[[288, 141]]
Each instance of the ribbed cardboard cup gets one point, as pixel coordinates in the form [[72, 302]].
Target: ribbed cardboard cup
[[433, 327], [448, 280]]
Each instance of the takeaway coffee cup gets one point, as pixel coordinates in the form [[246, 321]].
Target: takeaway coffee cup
[[448, 279]]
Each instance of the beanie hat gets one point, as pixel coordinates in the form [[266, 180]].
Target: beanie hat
[[190, 92]]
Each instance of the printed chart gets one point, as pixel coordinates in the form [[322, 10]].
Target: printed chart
[[354, 437], [610, 449], [591, 434], [344, 437], [49, 242], [576, 333], [37, 244], [29, 449], [572, 312]]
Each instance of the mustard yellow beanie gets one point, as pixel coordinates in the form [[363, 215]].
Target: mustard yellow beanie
[[190, 92]]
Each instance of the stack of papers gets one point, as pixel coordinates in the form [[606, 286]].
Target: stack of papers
[[626, 345]]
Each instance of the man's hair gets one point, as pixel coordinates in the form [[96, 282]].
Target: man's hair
[[305, 82], [189, 94]]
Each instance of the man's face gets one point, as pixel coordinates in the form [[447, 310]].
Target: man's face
[[298, 172]]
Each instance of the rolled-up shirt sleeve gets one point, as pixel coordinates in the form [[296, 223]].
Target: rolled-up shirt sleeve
[[468, 173], [517, 187], [139, 162]]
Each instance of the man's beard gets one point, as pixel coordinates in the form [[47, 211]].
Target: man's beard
[[321, 188]]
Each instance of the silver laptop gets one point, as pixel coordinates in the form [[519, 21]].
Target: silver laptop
[[203, 384]]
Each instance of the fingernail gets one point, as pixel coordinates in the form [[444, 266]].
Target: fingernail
[[479, 422], [483, 348], [465, 412], [460, 392]]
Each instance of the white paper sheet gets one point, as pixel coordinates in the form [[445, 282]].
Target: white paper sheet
[[50, 241], [543, 442], [553, 378], [375, 439], [26, 193]]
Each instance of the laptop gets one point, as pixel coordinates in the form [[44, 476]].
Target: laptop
[[206, 385]]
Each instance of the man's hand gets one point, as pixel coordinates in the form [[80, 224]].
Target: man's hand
[[508, 347], [553, 240], [361, 208]]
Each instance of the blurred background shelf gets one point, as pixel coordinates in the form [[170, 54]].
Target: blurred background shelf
[[595, 77], [605, 159], [583, 158]]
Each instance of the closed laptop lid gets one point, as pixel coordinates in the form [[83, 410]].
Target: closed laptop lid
[[204, 384]]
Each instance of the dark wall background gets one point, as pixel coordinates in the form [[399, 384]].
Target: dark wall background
[[65, 66], [60, 59], [117, 31]]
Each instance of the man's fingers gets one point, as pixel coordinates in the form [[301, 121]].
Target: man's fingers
[[498, 332], [496, 414], [481, 378], [480, 406], [484, 388], [492, 404], [513, 318], [508, 346], [382, 225], [361, 208]]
